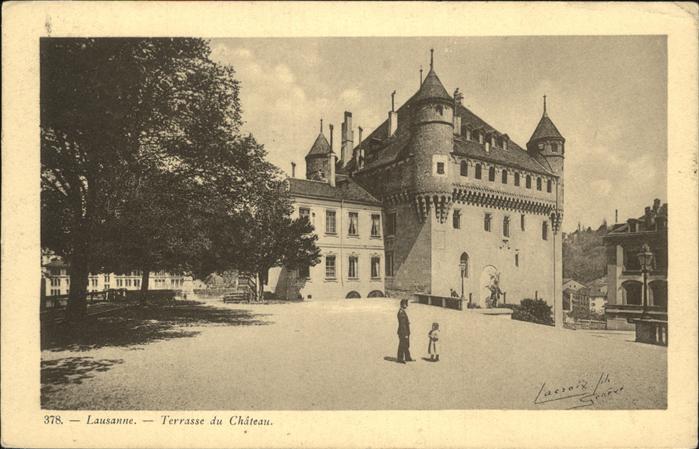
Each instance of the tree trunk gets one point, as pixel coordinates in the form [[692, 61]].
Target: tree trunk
[[76, 309], [145, 277]]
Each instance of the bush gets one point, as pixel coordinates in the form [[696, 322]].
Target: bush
[[534, 311]]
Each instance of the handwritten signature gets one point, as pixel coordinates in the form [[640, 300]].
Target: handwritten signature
[[582, 390]]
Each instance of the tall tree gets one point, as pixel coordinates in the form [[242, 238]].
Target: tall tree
[[112, 112]]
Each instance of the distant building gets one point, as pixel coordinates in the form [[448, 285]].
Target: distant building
[[597, 294], [624, 277], [56, 279]]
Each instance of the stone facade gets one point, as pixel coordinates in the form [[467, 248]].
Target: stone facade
[[463, 207], [624, 277]]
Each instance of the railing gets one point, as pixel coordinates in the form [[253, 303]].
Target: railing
[[633, 311], [111, 295], [590, 324], [441, 301], [652, 331]]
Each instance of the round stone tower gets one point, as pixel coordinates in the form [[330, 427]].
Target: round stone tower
[[548, 142], [431, 144]]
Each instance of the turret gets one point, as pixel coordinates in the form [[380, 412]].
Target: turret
[[548, 142], [318, 158], [432, 142]]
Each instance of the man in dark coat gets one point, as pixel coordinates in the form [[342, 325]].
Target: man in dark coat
[[403, 333]]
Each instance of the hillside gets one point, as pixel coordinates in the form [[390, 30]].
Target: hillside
[[584, 256]]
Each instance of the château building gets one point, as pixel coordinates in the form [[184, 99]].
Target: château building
[[462, 207]]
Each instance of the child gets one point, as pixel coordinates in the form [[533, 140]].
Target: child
[[432, 347]]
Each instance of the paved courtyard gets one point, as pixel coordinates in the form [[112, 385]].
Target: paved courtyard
[[341, 355]]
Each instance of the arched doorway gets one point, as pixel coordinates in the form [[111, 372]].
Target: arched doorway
[[353, 295], [489, 277]]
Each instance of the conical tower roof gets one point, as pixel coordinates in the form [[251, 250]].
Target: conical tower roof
[[545, 129], [320, 147], [431, 88]]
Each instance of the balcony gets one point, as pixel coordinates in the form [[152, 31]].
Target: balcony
[[633, 312]]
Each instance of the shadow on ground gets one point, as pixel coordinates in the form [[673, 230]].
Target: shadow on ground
[[71, 370], [141, 325]]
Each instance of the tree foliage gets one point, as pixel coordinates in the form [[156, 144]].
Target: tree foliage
[[144, 165], [584, 254]]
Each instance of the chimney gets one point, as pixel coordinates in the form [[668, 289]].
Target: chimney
[[361, 158], [293, 169], [656, 205], [392, 116], [616, 216], [505, 138], [458, 96], [347, 139], [331, 178], [360, 135], [331, 157], [457, 125]]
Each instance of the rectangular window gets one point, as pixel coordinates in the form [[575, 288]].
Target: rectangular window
[[391, 224], [486, 222], [330, 222], [304, 272], [545, 231], [464, 168], [478, 171], [504, 176], [330, 267], [128, 282], [529, 182], [440, 168], [517, 179], [106, 278], [353, 224], [305, 212], [506, 226], [516, 259], [538, 183], [375, 225], [491, 174], [353, 271], [521, 222], [120, 283], [375, 267], [136, 282], [389, 264], [106, 286], [55, 292], [548, 186], [457, 219]]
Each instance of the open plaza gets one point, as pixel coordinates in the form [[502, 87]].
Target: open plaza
[[341, 355]]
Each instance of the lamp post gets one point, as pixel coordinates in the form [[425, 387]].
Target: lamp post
[[462, 266], [645, 259]]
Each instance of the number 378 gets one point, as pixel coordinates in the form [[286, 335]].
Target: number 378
[[52, 419]]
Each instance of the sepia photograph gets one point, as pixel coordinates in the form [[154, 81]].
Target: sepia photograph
[[313, 221], [349, 224]]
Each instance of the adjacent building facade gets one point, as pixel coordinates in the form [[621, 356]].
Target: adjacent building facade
[[56, 280], [624, 276], [463, 208]]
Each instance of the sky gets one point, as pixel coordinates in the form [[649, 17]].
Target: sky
[[606, 95]]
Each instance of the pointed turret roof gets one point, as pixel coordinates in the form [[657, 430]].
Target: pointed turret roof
[[545, 129], [320, 146], [432, 87]]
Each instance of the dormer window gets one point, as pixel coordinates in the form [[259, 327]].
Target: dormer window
[[466, 132], [440, 109], [487, 147], [541, 146], [480, 138]]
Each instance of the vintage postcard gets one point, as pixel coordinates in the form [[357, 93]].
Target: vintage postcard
[[349, 225]]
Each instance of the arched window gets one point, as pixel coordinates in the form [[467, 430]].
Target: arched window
[[353, 295], [464, 265], [658, 291], [632, 292], [376, 294], [491, 174], [506, 226], [478, 171], [504, 176], [548, 186], [538, 183], [544, 231], [529, 182], [464, 168], [516, 179]]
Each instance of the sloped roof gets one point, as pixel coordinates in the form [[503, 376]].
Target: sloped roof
[[545, 130], [381, 149], [345, 189], [320, 146], [431, 87]]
